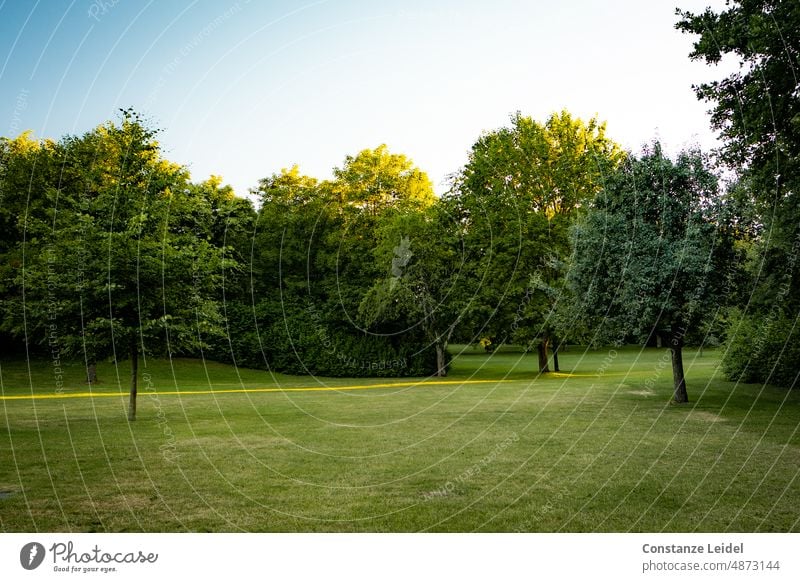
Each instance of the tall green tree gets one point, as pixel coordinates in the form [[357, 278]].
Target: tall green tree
[[125, 265], [650, 257], [517, 196], [368, 190], [756, 110], [314, 261]]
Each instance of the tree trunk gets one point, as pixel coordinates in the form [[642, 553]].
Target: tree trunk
[[555, 358], [544, 366], [91, 373], [441, 366], [678, 379], [134, 374]]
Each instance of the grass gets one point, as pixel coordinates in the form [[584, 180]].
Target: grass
[[595, 448]]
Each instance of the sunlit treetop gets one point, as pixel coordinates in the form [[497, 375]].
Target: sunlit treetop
[[288, 186], [377, 179], [552, 167]]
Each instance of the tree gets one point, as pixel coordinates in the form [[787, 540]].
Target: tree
[[125, 263], [226, 219], [649, 256], [756, 108], [367, 191], [314, 260], [517, 196], [756, 111], [28, 168], [425, 286], [375, 180]]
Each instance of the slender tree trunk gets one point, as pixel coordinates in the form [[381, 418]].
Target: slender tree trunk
[[679, 381], [91, 373], [134, 374], [544, 366], [555, 357], [441, 366]]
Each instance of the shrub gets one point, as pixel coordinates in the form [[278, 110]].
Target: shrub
[[302, 341], [763, 350]]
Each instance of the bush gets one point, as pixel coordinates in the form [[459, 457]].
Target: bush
[[301, 341], [764, 350]]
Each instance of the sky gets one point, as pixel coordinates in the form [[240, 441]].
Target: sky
[[242, 89]]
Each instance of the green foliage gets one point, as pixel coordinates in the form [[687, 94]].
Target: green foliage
[[304, 340], [515, 200], [757, 112], [314, 262], [375, 180], [307, 345], [426, 288], [646, 251], [756, 109], [128, 257], [552, 168], [763, 350], [652, 255], [116, 253]]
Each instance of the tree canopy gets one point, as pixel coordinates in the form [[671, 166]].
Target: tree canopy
[[646, 253], [123, 262], [516, 197], [756, 110]]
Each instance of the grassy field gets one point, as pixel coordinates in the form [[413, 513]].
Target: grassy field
[[597, 447]]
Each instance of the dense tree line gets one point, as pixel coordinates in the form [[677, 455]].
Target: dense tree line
[[313, 260], [550, 233]]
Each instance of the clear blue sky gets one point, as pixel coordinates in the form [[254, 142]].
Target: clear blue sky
[[245, 88]]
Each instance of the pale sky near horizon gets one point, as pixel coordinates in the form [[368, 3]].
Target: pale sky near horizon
[[244, 88]]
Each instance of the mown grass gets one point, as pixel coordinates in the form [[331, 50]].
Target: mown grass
[[595, 448]]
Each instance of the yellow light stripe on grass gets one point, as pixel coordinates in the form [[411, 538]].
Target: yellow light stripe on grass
[[246, 390]]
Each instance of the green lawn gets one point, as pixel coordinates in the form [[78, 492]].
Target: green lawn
[[595, 448]]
